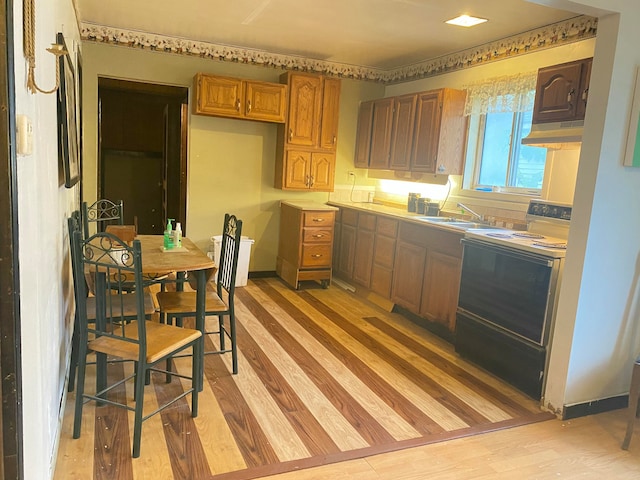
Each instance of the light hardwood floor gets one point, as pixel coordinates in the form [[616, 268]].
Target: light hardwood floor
[[324, 374]]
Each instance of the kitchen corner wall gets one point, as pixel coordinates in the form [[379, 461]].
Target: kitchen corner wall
[[231, 163]]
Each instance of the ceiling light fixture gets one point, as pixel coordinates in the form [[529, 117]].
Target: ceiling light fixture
[[466, 21]]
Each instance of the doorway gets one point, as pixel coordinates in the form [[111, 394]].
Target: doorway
[[142, 151]]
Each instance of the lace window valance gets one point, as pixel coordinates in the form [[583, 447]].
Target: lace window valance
[[513, 93]]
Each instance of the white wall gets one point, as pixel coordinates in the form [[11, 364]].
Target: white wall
[[597, 335], [43, 207]]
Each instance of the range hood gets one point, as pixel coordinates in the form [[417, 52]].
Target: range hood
[[555, 135]]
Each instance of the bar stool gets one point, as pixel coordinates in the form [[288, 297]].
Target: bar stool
[[632, 411]]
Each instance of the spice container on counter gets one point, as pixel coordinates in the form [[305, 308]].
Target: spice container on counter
[[422, 205], [412, 202]]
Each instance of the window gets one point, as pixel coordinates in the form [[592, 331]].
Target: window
[[500, 111], [501, 160]]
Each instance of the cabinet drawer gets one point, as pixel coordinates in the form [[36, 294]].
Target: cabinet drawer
[[317, 235], [350, 217], [367, 222], [387, 227], [316, 255], [412, 233], [317, 219]]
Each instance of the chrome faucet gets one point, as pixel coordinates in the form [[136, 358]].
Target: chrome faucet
[[471, 212]]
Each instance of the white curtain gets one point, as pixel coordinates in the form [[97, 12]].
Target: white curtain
[[512, 93]]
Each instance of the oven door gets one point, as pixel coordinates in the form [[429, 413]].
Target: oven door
[[510, 289]]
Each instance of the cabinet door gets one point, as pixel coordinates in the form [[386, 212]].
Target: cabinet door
[[427, 132], [219, 96], [347, 251], [584, 89], [265, 101], [305, 107], [297, 166], [322, 171], [381, 133], [363, 135], [404, 115], [383, 261], [408, 275], [330, 113], [365, 240], [440, 288], [557, 93]]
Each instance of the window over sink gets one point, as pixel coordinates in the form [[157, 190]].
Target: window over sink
[[500, 113]]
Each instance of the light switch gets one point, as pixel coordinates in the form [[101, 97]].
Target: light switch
[[24, 135]]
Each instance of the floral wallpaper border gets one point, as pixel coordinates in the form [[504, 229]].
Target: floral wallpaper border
[[572, 30]]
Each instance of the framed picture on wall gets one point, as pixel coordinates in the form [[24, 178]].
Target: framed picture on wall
[[68, 140]]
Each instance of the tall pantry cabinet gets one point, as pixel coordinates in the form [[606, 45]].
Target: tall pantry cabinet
[[306, 146]]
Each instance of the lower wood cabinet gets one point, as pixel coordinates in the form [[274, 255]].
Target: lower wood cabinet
[[384, 254], [305, 247], [440, 288], [365, 240], [415, 266]]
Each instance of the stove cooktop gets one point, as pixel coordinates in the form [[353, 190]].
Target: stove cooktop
[[526, 241]]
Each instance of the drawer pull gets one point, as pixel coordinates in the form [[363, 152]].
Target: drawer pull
[[318, 235], [318, 219], [316, 255]]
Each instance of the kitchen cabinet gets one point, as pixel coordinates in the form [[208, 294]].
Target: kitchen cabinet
[[422, 132], [305, 245], [408, 269], [562, 91], [306, 170], [363, 135], [439, 132], [365, 240], [238, 98], [306, 144], [381, 126], [443, 266], [383, 256], [348, 230]]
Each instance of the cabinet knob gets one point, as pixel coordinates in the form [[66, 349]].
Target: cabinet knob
[[310, 180], [316, 255], [335, 139], [570, 95], [248, 106], [441, 168], [585, 94], [238, 104], [318, 235], [318, 219], [290, 134]]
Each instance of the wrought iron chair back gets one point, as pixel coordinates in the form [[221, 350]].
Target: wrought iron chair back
[[102, 212]]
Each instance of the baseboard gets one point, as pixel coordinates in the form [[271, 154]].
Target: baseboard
[[595, 406], [263, 274]]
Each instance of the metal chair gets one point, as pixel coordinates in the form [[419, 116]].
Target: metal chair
[[632, 410], [177, 305], [113, 333], [102, 212], [128, 306]]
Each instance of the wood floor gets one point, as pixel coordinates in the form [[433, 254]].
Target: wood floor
[[325, 378]]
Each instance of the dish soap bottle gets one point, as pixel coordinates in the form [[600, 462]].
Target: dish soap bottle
[[168, 236], [177, 236]]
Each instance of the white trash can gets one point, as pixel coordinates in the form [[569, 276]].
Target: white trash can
[[242, 274]]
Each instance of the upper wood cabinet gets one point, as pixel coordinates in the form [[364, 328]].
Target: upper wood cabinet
[[310, 132], [562, 91], [421, 132], [439, 132], [363, 134], [238, 98]]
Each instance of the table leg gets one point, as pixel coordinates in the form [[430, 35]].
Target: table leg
[[200, 319]]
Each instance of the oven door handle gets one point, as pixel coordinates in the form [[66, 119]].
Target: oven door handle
[[510, 252]]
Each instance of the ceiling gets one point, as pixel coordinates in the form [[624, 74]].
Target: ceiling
[[380, 34]]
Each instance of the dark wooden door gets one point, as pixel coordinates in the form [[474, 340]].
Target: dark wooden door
[[143, 152]]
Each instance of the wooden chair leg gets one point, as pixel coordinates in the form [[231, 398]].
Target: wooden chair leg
[[634, 394]]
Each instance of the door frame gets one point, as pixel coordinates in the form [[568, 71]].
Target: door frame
[[176, 168], [11, 457]]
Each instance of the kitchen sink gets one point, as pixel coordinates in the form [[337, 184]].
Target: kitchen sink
[[455, 222], [439, 219]]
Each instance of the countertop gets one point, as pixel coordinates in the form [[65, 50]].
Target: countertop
[[308, 205], [401, 214]]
